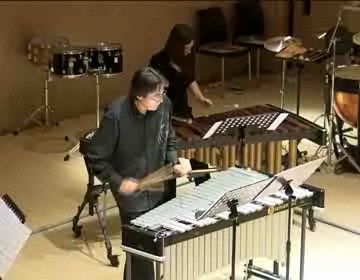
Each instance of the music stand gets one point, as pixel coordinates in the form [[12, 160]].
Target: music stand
[[231, 200], [253, 123], [245, 194], [14, 233]]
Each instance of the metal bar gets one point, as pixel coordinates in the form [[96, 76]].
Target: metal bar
[[302, 243]]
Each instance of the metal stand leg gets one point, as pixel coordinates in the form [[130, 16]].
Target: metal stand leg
[[157, 271], [302, 246], [77, 146], [91, 198], [128, 265], [249, 64], [97, 101], [223, 76], [258, 63], [283, 84], [349, 157], [45, 107]]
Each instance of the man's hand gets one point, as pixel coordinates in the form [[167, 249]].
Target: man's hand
[[128, 185], [183, 168]]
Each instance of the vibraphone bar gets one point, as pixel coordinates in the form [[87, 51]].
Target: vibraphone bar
[[261, 151]]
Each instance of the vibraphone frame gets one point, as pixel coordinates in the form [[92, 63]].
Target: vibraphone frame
[[304, 204]]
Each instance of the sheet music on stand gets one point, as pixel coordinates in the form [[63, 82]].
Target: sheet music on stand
[[245, 194], [296, 176], [267, 121], [13, 234]]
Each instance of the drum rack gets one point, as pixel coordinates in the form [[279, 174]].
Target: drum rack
[[103, 61], [77, 145], [46, 108]]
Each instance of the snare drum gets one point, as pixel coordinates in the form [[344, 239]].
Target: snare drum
[[69, 62], [105, 59]]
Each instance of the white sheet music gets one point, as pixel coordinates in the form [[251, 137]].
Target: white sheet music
[[13, 235], [212, 130], [297, 175], [280, 118]]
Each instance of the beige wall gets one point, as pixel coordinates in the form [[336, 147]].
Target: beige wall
[[140, 26]]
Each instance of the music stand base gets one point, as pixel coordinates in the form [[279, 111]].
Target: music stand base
[[252, 270]]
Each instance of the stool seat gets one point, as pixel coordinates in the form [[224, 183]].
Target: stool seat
[[221, 49], [250, 41]]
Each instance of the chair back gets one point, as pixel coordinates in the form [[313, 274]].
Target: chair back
[[248, 18], [211, 26]]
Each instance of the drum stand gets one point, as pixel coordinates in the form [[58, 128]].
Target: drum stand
[[332, 144], [299, 67], [46, 108], [283, 84], [77, 146]]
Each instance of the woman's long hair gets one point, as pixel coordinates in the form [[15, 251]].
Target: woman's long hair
[[181, 35]]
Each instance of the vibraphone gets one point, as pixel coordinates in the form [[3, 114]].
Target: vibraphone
[[189, 248], [262, 151]]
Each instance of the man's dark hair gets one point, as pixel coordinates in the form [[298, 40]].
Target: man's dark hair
[[145, 81]]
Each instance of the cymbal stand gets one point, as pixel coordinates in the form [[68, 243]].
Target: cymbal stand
[[331, 135], [77, 146], [45, 107], [97, 100], [328, 105]]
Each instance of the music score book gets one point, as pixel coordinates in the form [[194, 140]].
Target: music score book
[[13, 236]]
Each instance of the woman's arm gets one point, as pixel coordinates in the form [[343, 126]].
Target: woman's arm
[[196, 91]]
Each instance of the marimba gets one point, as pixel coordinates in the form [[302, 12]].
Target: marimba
[[261, 151]]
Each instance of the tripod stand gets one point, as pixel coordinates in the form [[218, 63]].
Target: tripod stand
[[45, 108], [289, 193], [91, 197], [332, 144], [77, 145]]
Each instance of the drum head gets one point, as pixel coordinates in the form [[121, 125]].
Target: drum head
[[103, 46], [348, 72], [69, 50], [356, 39]]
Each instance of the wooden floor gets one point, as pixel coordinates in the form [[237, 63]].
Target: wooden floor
[[49, 190]]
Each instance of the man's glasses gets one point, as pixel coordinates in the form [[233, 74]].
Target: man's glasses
[[158, 96]]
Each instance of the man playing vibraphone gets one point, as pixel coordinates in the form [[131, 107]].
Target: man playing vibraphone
[[134, 139]]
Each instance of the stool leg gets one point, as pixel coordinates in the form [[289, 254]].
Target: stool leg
[[223, 76], [258, 63], [71, 151], [223, 71], [249, 65]]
